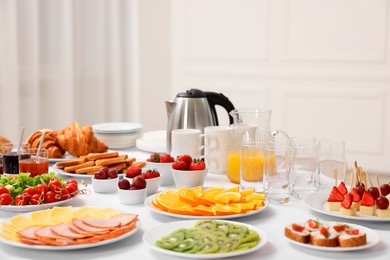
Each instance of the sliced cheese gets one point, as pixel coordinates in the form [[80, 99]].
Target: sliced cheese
[[10, 235], [41, 218], [85, 212], [106, 213], [20, 222], [369, 211], [62, 214]]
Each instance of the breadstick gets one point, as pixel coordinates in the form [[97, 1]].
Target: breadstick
[[79, 166], [88, 170], [138, 164], [97, 156], [129, 161], [119, 159], [117, 166], [71, 162]]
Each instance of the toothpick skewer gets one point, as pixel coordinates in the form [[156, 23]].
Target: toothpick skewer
[[335, 176], [345, 168], [369, 179], [352, 179], [377, 182]]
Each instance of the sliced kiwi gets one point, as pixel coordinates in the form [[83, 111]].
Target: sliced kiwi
[[251, 236], [229, 245], [223, 226], [208, 225], [184, 245], [239, 229], [198, 245], [209, 248], [235, 234], [209, 238], [167, 244], [246, 246]]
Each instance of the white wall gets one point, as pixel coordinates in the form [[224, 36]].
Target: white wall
[[321, 66]]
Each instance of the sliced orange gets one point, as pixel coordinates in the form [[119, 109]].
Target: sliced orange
[[247, 192], [253, 196], [233, 189], [259, 203], [221, 210], [244, 207], [204, 210], [210, 193], [158, 205], [204, 201], [228, 197], [189, 200], [181, 190], [196, 191]]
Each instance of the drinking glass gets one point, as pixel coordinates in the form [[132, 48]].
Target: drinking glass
[[252, 166], [12, 155], [304, 166], [37, 164], [278, 177], [331, 156]]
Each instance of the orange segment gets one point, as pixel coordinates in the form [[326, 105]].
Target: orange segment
[[227, 197], [221, 210], [204, 210], [247, 192], [253, 196], [210, 193], [233, 189]]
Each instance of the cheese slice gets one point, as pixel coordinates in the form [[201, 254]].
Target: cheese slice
[[20, 222], [8, 227], [10, 235], [106, 213], [62, 214], [85, 212], [41, 218]]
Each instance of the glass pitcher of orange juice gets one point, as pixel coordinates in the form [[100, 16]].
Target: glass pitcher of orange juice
[[251, 126]]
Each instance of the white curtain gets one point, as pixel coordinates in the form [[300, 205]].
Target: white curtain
[[67, 60]]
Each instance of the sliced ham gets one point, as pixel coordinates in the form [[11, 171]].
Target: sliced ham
[[125, 219], [63, 230], [46, 232], [29, 232], [101, 223], [29, 241], [78, 223]]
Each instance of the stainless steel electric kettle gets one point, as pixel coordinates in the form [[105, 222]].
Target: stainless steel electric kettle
[[195, 109]]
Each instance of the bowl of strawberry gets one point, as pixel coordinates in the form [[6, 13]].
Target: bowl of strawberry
[[105, 180], [132, 191], [188, 172], [163, 164], [152, 178]]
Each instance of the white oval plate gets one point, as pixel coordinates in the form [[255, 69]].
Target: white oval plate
[[152, 235], [373, 238], [27, 208], [116, 127], [74, 175], [72, 247], [148, 204], [65, 157], [318, 202]]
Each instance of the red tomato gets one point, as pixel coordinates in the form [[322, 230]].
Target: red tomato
[[64, 194], [71, 189], [55, 185], [21, 200], [36, 199], [5, 199], [41, 189], [3, 190], [72, 181], [28, 192], [51, 197]]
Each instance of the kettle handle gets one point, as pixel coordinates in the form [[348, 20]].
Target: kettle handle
[[214, 99]]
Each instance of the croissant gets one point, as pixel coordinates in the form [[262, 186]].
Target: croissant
[[3, 140], [54, 151], [79, 141]]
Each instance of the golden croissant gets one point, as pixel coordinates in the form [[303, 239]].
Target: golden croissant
[[53, 150], [79, 141]]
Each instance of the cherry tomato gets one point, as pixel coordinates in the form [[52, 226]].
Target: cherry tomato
[[71, 189], [5, 199], [51, 197], [64, 194], [3, 190], [55, 185], [28, 192], [72, 181], [36, 199], [21, 200], [41, 189]]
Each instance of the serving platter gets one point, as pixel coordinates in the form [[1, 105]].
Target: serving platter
[[152, 235], [148, 203], [28, 208], [318, 202], [74, 175]]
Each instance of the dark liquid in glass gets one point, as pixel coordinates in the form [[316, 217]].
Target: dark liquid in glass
[[11, 162]]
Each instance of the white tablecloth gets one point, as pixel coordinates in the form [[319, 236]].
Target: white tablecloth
[[272, 221]]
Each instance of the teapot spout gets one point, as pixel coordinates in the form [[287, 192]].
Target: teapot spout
[[170, 105]]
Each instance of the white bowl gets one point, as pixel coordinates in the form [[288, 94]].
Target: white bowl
[[152, 185], [189, 179], [165, 170], [105, 185], [131, 197]]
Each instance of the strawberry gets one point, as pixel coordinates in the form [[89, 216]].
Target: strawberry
[[179, 165], [335, 195], [352, 231], [367, 199], [356, 195], [154, 157], [132, 171], [347, 202], [197, 165], [313, 223], [166, 158], [340, 227], [342, 188], [150, 174], [185, 158], [324, 231], [297, 228]]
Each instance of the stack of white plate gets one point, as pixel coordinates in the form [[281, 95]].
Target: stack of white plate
[[117, 135], [153, 141]]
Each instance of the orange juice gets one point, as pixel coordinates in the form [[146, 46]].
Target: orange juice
[[252, 166]]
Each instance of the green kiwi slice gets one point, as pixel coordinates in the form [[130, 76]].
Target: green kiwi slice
[[208, 225], [251, 236], [198, 245], [246, 246], [209, 248], [184, 245], [167, 244], [229, 245]]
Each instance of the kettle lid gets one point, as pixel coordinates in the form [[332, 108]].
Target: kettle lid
[[192, 93]]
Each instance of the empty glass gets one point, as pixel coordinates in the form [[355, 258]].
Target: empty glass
[[331, 156]]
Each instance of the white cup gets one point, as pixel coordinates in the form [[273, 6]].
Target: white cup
[[216, 150], [187, 141]]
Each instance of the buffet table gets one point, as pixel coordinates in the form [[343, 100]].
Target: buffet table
[[272, 221]]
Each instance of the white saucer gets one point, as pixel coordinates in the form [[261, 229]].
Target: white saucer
[[116, 127]]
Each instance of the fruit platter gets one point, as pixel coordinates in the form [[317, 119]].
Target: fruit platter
[[24, 193]]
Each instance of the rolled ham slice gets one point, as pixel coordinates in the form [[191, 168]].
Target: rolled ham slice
[[29, 232], [125, 219], [101, 223], [78, 223], [63, 230]]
